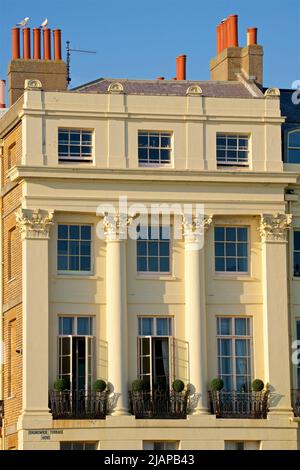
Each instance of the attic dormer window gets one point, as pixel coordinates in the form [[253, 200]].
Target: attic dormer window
[[293, 154]]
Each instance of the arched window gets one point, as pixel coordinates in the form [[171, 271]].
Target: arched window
[[293, 147]]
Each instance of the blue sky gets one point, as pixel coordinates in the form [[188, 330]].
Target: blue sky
[[141, 39]]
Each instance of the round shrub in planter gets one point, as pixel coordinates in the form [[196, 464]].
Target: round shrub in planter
[[137, 385], [216, 384], [257, 385], [178, 386], [99, 385], [60, 385]]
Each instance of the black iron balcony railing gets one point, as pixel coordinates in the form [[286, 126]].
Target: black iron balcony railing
[[159, 404], [296, 402], [78, 404], [234, 404]]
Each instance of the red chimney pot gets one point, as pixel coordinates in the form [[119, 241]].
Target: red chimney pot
[[233, 31], [47, 44], [57, 44], [251, 36], [181, 67], [15, 43], [36, 43], [26, 43]]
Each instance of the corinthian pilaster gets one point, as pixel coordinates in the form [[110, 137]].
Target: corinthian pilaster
[[194, 228], [273, 230], [34, 223], [195, 305], [274, 227], [115, 226], [35, 226], [115, 231]]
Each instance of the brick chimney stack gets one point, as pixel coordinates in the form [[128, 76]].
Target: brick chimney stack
[[51, 72], [231, 58]]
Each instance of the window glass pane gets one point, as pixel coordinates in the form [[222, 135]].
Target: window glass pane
[[141, 248], [153, 249], [62, 263], [74, 248], [165, 156], [83, 326], [86, 232], [242, 383], [63, 231], [90, 446], [146, 326], [164, 265], [154, 155], [85, 248], [162, 326], [242, 249], [242, 265], [62, 247], [143, 140], [153, 264], [66, 325], [86, 137], [224, 326], [85, 263], [298, 330], [141, 264], [231, 264], [219, 249], [296, 264], [74, 263], [241, 348], [143, 154], [230, 234], [241, 326], [63, 150], [297, 240], [220, 264], [230, 249], [232, 142], [224, 347], [227, 379], [219, 234], [165, 141], [225, 365], [164, 248], [221, 141], [153, 140], [242, 234], [294, 139], [75, 137], [74, 232], [65, 446], [293, 156]]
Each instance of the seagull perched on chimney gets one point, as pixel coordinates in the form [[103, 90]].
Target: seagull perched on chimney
[[44, 23], [24, 22]]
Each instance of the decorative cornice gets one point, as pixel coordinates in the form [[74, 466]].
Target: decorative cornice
[[274, 227], [195, 226], [34, 223], [115, 226]]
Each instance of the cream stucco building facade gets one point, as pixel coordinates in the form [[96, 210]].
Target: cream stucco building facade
[[88, 308]]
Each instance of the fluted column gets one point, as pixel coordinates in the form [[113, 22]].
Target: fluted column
[[273, 230], [195, 311], [34, 226], [115, 228]]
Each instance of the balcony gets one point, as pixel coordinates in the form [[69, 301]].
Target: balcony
[[296, 402], [80, 404], [159, 404], [253, 405]]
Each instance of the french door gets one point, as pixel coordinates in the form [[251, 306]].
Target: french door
[[154, 362], [75, 361]]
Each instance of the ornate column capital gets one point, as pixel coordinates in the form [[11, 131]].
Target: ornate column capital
[[194, 227], [274, 227], [34, 224], [115, 226]]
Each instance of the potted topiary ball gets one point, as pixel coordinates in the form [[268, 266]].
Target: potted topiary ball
[[137, 385], [216, 384], [60, 385], [178, 386], [257, 385], [99, 385]]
